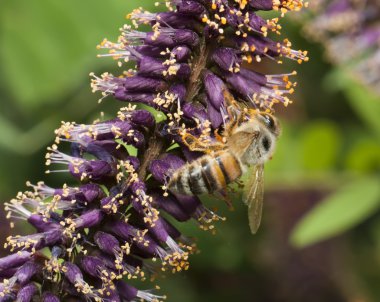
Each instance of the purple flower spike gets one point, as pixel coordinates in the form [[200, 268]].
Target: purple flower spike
[[26, 293], [15, 259], [111, 227], [89, 219], [49, 297]]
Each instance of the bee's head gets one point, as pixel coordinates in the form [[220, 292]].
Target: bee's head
[[269, 122]]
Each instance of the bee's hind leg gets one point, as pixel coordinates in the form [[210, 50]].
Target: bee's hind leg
[[195, 144]]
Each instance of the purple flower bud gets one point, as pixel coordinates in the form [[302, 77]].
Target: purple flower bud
[[142, 117], [191, 8], [40, 223], [215, 89], [144, 98], [144, 84], [91, 192], [179, 20], [27, 271], [89, 219], [214, 115], [170, 205], [170, 37], [49, 238], [160, 170], [73, 272], [261, 4], [226, 58], [49, 297], [15, 259], [174, 161], [191, 111], [179, 90], [134, 161], [188, 203], [181, 53], [26, 293], [106, 242], [170, 229], [127, 292], [93, 169], [92, 265]]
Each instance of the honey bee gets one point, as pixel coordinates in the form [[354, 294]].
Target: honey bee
[[245, 147]]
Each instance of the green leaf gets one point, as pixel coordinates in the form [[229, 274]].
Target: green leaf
[[363, 100], [320, 143], [339, 212]]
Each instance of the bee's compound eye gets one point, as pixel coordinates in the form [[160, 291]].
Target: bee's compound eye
[[269, 121], [266, 143]]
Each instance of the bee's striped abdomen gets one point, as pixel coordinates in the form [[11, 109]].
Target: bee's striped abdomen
[[206, 175]]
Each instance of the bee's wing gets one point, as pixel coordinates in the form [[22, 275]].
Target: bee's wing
[[253, 196]]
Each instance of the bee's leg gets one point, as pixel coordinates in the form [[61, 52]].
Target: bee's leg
[[226, 198], [194, 144]]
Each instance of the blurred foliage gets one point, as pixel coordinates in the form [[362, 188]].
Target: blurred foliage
[[327, 163]]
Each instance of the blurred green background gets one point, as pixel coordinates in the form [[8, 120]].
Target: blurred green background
[[320, 238]]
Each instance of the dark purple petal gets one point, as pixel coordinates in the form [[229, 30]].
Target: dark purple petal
[[26, 293], [15, 259], [89, 219]]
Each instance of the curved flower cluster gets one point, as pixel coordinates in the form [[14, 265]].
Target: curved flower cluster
[[115, 223], [350, 30]]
